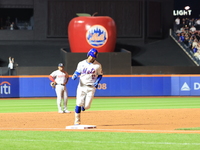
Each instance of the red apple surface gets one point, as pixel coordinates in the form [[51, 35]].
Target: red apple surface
[[88, 32]]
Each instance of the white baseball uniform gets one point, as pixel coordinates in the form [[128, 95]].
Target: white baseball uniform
[[61, 90], [89, 73]]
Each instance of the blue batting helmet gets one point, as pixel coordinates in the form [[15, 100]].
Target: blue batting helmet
[[92, 52]]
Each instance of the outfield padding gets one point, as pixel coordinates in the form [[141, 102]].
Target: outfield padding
[[110, 85]]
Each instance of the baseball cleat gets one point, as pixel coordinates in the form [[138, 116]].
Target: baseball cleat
[[66, 111], [60, 112], [77, 123]]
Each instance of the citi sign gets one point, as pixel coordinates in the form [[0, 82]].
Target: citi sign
[[5, 87], [185, 86]]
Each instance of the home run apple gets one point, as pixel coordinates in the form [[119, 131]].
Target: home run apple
[[86, 32]]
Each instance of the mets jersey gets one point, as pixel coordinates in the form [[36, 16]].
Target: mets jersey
[[59, 76], [89, 72]]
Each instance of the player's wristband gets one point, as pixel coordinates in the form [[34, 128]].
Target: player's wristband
[[99, 78], [75, 75], [97, 81]]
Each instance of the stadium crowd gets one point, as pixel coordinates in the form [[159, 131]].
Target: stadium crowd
[[188, 32]]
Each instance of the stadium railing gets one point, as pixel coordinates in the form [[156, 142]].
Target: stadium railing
[[187, 50]]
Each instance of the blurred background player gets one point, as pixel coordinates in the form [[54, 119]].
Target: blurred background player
[[90, 72], [60, 78]]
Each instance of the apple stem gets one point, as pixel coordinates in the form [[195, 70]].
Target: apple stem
[[95, 13]]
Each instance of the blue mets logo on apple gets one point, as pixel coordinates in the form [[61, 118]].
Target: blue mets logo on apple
[[97, 36], [5, 87]]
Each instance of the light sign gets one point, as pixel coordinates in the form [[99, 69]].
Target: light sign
[[185, 12]]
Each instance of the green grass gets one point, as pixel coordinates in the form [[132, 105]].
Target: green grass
[[198, 128], [43, 140], [47, 105], [65, 140], [145, 103]]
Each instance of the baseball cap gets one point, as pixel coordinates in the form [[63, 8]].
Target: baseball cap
[[60, 65]]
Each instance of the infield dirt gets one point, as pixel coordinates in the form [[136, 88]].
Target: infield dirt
[[157, 120]]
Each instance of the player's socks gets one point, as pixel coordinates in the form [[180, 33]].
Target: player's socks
[[77, 119], [78, 109], [83, 108]]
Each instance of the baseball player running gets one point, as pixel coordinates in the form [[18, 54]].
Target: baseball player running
[[59, 80], [90, 72]]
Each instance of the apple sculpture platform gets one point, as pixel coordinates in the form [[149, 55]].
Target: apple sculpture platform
[[86, 32]]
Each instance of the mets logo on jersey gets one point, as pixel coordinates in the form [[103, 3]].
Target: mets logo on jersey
[[5, 87], [97, 36]]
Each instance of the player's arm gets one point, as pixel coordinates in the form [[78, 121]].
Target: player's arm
[[99, 77], [75, 75], [52, 78], [53, 83], [77, 72], [67, 77], [98, 80]]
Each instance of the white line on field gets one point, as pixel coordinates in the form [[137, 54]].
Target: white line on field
[[114, 142], [122, 130]]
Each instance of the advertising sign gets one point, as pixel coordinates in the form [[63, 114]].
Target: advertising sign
[[113, 86], [9, 87]]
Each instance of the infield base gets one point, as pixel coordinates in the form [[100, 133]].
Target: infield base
[[81, 127]]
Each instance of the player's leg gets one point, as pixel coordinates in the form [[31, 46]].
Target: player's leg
[[83, 107], [77, 120], [89, 97], [65, 100], [80, 97], [59, 97]]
